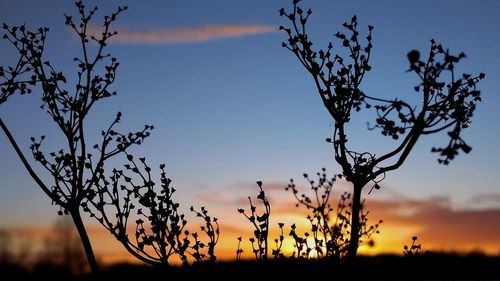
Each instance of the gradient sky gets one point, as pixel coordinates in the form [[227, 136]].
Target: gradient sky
[[230, 106]]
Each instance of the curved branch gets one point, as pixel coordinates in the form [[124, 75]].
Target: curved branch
[[28, 166]]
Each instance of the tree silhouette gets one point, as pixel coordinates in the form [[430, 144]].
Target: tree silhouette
[[75, 168], [161, 229], [447, 103]]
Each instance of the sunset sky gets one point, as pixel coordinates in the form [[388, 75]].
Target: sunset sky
[[231, 107]]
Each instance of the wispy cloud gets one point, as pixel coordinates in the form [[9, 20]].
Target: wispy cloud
[[191, 34]]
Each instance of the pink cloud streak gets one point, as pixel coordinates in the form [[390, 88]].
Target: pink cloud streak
[[175, 35]]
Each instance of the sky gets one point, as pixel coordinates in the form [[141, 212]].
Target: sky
[[230, 106]]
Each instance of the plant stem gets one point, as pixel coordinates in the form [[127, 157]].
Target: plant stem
[[77, 219], [355, 222]]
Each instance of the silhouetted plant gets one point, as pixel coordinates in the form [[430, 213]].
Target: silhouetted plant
[[301, 243], [330, 227], [324, 236], [414, 249], [76, 168], [160, 228], [211, 230], [239, 250], [260, 223], [444, 105], [277, 253]]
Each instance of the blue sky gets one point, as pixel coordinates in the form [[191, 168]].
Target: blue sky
[[235, 110]]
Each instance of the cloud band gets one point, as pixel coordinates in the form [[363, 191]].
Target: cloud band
[[170, 35]]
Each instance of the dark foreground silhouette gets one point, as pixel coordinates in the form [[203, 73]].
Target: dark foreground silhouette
[[382, 267]]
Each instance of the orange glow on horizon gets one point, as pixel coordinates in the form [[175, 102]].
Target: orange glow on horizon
[[437, 226]]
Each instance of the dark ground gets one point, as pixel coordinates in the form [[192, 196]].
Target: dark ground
[[382, 267]]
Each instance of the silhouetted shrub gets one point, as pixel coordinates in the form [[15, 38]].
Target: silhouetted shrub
[[330, 226], [160, 227]]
